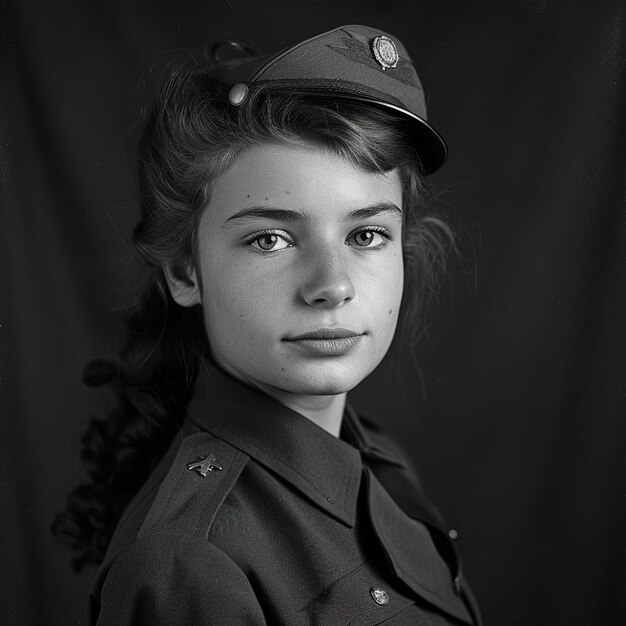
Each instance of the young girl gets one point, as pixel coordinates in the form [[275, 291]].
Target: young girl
[[283, 219]]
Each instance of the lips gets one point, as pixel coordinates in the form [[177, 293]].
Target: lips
[[326, 342], [326, 333]]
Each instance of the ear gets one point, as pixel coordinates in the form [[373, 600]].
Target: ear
[[183, 284]]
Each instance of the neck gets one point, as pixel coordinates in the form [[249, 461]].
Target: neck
[[325, 411]]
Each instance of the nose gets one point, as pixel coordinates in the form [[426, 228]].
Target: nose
[[328, 283]]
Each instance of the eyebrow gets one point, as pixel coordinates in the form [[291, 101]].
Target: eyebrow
[[286, 215]]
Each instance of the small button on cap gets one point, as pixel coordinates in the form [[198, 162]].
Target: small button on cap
[[238, 94], [453, 534], [380, 596]]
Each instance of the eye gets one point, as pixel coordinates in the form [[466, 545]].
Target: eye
[[269, 241], [369, 237]]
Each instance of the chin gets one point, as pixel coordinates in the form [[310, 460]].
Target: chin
[[324, 378]]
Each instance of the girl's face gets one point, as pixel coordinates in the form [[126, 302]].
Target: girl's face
[[300, 269]]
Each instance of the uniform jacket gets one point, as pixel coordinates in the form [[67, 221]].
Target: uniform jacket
[[258, 516]]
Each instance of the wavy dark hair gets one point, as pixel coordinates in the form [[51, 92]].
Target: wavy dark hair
[[191, 136]]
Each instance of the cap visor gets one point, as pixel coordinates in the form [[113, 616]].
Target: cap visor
[[430, 146]]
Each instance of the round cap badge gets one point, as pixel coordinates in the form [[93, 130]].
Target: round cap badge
[[385, 52]]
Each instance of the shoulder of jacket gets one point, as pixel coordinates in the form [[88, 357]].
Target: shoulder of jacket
[[203, 472], [174, 579]]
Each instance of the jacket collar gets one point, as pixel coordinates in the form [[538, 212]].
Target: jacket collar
[[372, 447], [390, 467], [326, 469]]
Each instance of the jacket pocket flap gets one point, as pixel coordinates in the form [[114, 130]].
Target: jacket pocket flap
[[411, 552]]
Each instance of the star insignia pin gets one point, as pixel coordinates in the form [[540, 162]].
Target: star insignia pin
[[205, 464], [385, 52]]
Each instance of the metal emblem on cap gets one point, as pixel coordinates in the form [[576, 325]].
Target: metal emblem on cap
[[205, 465], [385, 52]]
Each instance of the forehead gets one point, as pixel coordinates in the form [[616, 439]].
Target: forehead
[[299, 177]]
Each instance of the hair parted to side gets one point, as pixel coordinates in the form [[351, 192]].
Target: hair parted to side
[[192, 135]]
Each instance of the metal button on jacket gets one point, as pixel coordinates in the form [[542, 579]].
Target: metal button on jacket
[[380, 596], [458, 586]]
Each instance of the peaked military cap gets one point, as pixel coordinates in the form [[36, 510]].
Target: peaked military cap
[[351, 62]]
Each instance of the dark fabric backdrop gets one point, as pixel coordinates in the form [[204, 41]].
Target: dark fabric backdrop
[[521, 431]]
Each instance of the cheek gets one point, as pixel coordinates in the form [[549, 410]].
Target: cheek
[[388, 285], [389, 302], [239, 301]]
